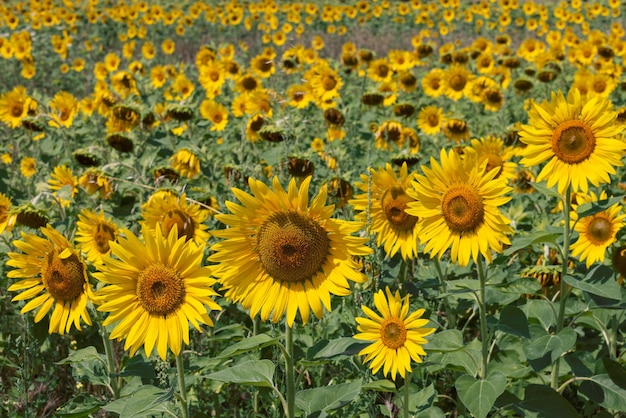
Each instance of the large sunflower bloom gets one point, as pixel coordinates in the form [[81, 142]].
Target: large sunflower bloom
[[53, 274], [596, 232], [579, 138], [457, 203], [154, 289], [282, 254], [385, 203], [397, 336]]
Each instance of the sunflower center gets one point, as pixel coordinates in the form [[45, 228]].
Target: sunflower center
[[292, 247], [457, 82], [102, 234], [393, 333], [433, 120], [462, 208], [494, 161], [394, 203], [64, 278], [329, 83], [573, 141], [184, 222], [160, 289], [599, 230], [17, 109]]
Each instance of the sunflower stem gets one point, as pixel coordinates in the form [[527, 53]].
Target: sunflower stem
[[482, 307], [405, 403], [560, 321], [180, 371], [290, 372], [108, 351], [445, 302]]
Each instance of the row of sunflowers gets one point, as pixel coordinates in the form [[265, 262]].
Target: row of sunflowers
[[302, 209]]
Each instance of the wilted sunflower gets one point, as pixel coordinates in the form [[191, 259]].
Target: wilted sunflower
[[457, 203], [54, 275], [596, 232], [94, 233], [164, 209], [579, 138], [186, 163], [154, 289], [397, 337], [281, 254], [385, 205]]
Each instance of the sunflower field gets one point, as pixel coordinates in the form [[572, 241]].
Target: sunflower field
[[268, 208]]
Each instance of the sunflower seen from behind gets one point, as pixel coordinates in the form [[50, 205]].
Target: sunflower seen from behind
[[397, 336], [458, 203], [280, 254], [578, 138], [596, 232], [54, 278], [385, 203], [153, 289]]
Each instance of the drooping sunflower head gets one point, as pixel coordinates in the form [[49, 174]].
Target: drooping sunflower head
[[53, 274], [396, 336], [282, 254]]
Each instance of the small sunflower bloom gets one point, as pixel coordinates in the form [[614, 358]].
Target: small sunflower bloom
[[186, 163], [396, 336], [94, 233]]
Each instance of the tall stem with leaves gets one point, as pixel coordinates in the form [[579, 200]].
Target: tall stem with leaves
[[405, 403], [445, 302], [560, 320], [290, 373], [482, 306], [180, 371]]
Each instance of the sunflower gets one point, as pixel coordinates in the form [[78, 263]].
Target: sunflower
[[65, 107], [579, 138], [216, 113], [596, 232], [63, 177], [164, 209], [14, 106], [6, 219], [397, 337], [324, 82], [432, 82], [498, 156], [186, 163], [94, 180], [457, 203], [385, 203], [456, 80], [94, 233], [53, 274], [281, 254], [430, 119], [154, 289]]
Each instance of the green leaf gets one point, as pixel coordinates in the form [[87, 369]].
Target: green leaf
[[523, 241], [338, 348], [88, 364], [591, 208], [599, 281], [256, 342], [445, 341], [147, 400], [380, 386], [84, 354], [82, 405], [422, 400], [251, 373], [547, 402], [327, 398], [545, 350], [544, 190], [513, 321], [541, 310], [480, 395], [610, 395]]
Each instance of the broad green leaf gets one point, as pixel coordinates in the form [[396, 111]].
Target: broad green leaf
[[616, 371], [522, 241], [547, 402], [82, 406], [137, 366], [599, 281], [541, 310], [432, 412], [251, 373], [548, 348], [247, 344], [480, 395], [591, 208], [380, 386], [445, 341], [337, 348], [146, 401], [541, 188], [88, 364], [513, 321], [422, 400], [327, 398], [84, 354], [610, 395]]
